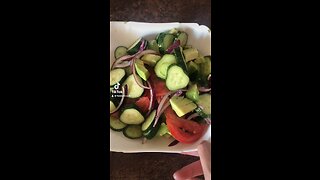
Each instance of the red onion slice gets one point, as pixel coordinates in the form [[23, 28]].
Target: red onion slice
[[151, 99], [144, 140], [208, 120], [149, 51], [173, 46], [135, 75], [193, 116], [122, 65], [173, 143], [122, 98], [121, 59], [203, 89]]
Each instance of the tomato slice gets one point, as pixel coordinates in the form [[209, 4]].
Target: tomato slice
[[159, 85], [143, 104], [183, 130]]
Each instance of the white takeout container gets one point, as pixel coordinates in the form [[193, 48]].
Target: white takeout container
[[124, 34]]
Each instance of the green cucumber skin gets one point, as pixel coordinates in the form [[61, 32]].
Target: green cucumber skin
[[180, 59], [114, 128], [132, 127], [168, 80], [120, 51]]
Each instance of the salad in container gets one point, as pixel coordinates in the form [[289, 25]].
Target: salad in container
[[160, 91]]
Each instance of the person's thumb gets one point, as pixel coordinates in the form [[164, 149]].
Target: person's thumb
[[192, 170]]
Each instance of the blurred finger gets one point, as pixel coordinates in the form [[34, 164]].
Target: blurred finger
[[188, 172], [192, 153], [204, 151]]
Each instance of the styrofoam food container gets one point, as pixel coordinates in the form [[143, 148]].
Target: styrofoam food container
[[124, 34]]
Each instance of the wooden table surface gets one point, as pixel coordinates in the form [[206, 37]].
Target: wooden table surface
[[153, 166]]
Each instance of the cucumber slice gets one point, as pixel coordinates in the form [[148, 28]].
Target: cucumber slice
[[187, 46], [183, 37], [149, 134], [141, 70], [116, 124], [182, 105], [193, 67], [151, 59], [201, 113], [131, 116], [153, 45], [146, 126], [180, 58], [164, 41], [134, 48], [117, 76], [176, 78], [200, 59], [190, 54], [162, 130], [112, 106], [134, 90], [161, 67], [120, 51], [132, 132], [173, 31], [205, 102], [206, 66], [193, 93]]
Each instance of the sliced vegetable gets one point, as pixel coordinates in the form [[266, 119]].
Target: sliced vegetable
[[173, 143], [136, 77], [120, 51], [201, 113], [193, 93], [135, 47], [161, 67], [163, 130], [143, 104], [151, 98], [114, 99], [185, 131], [133, 131], [158, 85], [181, 59], [153, 45], [131, 115], [183, 37], [151, 59], [141, 70], [112, 106], [146, 126], [200, 59], [134, 90], [117, 76], [173, 46], [116, 124], [205, 102], [203, 89], [173, 31], [151, 131], [190, 54], [193, 67], [193, 116], [205, 67], [164, 40], [176, 78], [187, 47], [182, 105]]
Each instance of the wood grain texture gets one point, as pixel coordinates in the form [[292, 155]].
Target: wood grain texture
[[147, 166], [191, 11]]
